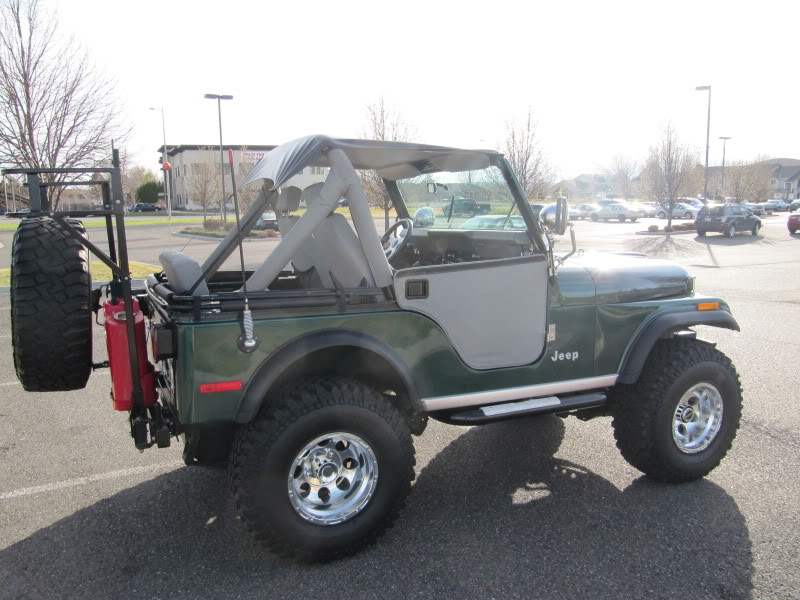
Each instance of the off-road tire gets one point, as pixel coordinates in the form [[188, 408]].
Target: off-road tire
[[51, 314], [263, 451], [643, 412]]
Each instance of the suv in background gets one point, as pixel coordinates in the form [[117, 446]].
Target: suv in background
[[466, 206], [144, 207], [728, 219]]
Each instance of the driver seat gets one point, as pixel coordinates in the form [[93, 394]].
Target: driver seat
[[333, 255]]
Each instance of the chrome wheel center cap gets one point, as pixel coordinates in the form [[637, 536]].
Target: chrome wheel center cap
[[687, 414]]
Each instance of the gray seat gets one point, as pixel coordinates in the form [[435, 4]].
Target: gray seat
[[332, 253], [182, 271]]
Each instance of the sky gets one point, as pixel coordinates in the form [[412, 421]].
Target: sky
[[601, 78]]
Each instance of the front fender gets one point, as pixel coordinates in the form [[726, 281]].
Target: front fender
[[661, 325]]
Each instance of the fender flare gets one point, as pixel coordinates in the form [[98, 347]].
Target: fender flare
[[664, 324], [269, 371]]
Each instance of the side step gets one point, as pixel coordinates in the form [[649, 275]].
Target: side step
[[533, 406]]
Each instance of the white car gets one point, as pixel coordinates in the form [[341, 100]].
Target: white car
[[679, 211], [619, 212], [694, 202]]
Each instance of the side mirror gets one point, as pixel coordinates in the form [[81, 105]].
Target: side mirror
[[556, 216], [424, 217]]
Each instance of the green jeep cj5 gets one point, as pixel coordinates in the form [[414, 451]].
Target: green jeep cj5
[[310, 372]]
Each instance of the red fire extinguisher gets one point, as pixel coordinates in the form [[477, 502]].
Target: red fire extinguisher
[[119, 359]]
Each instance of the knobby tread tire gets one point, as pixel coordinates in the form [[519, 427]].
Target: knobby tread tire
[[51, 316], [258, 438], [638, 412]]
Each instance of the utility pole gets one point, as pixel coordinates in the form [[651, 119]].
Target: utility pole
[[722, 184], [703, 88]]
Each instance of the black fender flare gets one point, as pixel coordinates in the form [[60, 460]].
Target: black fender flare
[[662, 325], [269, 371]]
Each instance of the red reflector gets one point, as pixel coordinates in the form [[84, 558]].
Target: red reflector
[[222, 386]]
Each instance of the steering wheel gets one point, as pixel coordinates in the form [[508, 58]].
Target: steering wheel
[[392, 246]]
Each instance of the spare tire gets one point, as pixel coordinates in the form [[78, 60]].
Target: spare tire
[[51, 309]]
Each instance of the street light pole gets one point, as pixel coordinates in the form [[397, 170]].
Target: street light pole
[[164, 160], [722, 184], [219, 98], [703, 88]]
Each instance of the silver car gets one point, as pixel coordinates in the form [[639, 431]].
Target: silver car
[[679, 211]]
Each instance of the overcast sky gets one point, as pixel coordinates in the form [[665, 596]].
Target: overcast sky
[[601, 77]]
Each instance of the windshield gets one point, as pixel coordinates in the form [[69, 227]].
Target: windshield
[[466, 200]]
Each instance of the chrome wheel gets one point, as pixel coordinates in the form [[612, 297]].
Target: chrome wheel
[[332, 478], [697, 418]]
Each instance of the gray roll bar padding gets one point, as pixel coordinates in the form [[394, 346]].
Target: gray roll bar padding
[[342, 181]]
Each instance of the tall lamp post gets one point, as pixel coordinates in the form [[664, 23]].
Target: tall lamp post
[[219, 98], [704, 88], [164, 159], [722, 183]]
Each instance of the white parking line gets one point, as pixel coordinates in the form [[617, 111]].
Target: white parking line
[[51, 487], [9, 383]]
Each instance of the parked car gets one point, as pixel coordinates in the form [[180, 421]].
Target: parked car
[[777, 205], [728, 219], [698, 204], [648, 208], [267, 220], [583, 211], [793, 223], [144, 207], [465, 206], [754, 207], [679, 211], [795, 205], [616, 211]]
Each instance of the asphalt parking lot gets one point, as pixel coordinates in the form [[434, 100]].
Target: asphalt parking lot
[[541, 508]]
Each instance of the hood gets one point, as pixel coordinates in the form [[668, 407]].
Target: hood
[[634, 278]]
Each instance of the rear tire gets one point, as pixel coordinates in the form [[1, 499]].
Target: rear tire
[[51, 313], [731, 232], [701, 233], [269, 484], [621, 219], [686, 387], [595, 218], [687, 215]]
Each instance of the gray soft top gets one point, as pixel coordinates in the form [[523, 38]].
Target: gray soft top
[[391, 160]]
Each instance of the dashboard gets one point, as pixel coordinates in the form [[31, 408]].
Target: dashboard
[[443, 246]]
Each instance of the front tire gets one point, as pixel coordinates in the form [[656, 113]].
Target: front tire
[[323, 470], [677, 422], [755, 229], [688, 215], [731, 230]]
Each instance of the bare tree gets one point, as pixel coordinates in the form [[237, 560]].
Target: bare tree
[[528, 161], [247, 195], [204, 183], [387, 125], [56, 109], [745, 181], [670, 171], [621, 174]]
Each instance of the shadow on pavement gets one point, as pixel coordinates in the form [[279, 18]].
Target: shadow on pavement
[[494, 514]]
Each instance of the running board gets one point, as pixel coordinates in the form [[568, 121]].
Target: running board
[[533, 406]]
